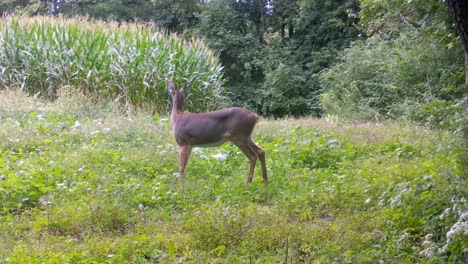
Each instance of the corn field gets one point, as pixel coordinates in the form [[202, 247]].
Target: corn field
[[128, 62]]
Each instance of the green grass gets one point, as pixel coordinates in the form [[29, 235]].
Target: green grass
[[95, 183]]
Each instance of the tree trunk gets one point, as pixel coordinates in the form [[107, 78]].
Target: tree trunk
[[465, 129], [290, 29], [262, 19], [283, 26], [465, 95], [459, 11]]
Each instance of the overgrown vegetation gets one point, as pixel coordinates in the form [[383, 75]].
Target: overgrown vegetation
[[86, 182], [410, 69], [91, 176], [396, 88], [366, 60], [126, 62]]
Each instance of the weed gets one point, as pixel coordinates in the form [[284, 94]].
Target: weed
[[86, 182]]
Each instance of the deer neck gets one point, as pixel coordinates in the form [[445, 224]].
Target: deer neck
[[177, 110]]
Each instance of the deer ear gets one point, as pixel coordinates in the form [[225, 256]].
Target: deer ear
[[185, 87], [170, 87]]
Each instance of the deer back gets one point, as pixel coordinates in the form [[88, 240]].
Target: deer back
[[213, 128]]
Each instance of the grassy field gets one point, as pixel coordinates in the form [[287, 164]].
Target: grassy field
[[97, 183]]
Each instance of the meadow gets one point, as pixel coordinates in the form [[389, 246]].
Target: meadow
[[86, 181], [89, 167]]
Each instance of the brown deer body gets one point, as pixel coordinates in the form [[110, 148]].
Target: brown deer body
[[213, 129]]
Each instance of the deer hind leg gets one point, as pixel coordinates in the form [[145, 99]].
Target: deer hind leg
[[251, 155], [261, 156], [184, 155]]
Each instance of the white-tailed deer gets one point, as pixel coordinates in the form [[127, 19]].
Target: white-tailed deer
[[213, 129]]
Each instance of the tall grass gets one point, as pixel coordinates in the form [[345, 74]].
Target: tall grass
[[84, 183], [125, 62]]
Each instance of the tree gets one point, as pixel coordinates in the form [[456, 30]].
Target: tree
[[322, 26], [410, 66], [176, 15], [233, 35], [27, 7], [459, 11], [284, 15]]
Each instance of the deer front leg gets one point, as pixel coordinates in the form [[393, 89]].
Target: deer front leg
[[184, 154]]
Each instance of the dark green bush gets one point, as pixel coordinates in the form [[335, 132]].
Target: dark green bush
[[408, 77]]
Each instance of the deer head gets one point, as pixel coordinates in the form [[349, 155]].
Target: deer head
[[177, 96]]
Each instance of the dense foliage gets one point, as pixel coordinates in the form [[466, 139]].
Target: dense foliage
[[272, 57], [81, 182], [85, 180], [409, 68], [127, 62], [387, 84], [368, 59], [259, 42]]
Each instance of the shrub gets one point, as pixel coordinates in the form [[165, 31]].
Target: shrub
[[401, 78], [287, 91]]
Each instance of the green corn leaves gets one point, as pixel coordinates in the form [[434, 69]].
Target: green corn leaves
[[125, 62]]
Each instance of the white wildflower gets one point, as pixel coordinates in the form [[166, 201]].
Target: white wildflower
[[445, 213], [176, 174], [333, 142], [430, 248], [459, 228], [220, 156], [427, 177], [41, 116], [197, 150], [77, 124], [442, 250], [402, 239], [426, 243], [97, 122], [44, 202], [368, 200], [428, 252], [395, 201], [456, 199]]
